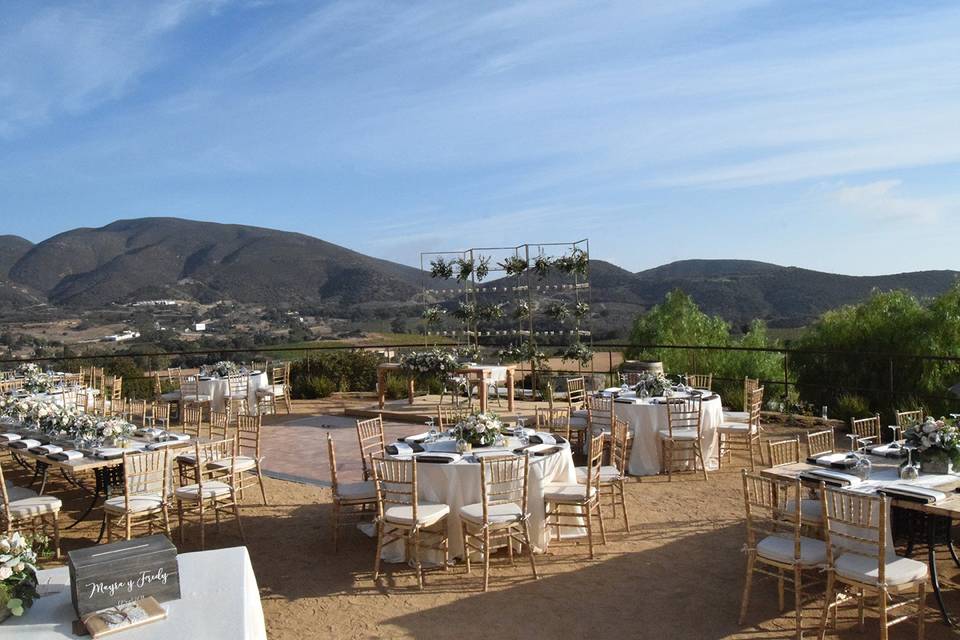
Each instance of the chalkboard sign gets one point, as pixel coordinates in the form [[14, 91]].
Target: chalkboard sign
[[108, 575]]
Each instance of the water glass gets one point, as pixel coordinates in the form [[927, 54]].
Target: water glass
[[909, 471], [432, 431]]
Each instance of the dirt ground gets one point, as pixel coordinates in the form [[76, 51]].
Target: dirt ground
[[677, 574]]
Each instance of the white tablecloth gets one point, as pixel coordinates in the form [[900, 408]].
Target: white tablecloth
[[219, 388], [69, 395], [646, 418], [457, 484], [219, 600]]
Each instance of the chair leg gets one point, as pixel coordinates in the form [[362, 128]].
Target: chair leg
[[56, 534], [236, 514], [415, 539], [748, 582], [109, 527], [180, 520], [623, 506], [798, 600], [703, 461], [466, 545], [589, 532], [526, 540], [860, 610], [884, 629], [263, 490], [486, 558], [376, 560], [921, 606], [780, 603], [828, 601], [603, 529]]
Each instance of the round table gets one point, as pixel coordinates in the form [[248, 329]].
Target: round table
[[219, 388], [457, 484], [649, 416]]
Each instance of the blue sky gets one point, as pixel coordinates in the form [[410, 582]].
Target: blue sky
[[816, 134]]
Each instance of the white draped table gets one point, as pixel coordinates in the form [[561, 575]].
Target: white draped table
[[649, 416], [219, 600], [219, 388], [457, 484]]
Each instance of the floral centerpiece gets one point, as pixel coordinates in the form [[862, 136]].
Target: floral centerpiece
[[34, 379], [435, 363], [221, 369], [937, 443], [655, 384], [479, 429], [66, 423], [18, 574]]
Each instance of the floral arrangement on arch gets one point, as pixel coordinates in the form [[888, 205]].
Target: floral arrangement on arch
[[35, 380], [221, 369], [656, 384], [935, 439], [18, 573], [479, 429], [435, 363], [578, 352]]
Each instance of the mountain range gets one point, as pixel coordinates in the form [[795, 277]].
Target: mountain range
[[147, 258]]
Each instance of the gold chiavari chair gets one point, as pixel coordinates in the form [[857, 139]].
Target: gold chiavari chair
[[700, 381], [744, 436], [576, 395], [220, 425], [279, 388], [145, 500], [190, 394], [630, 378], [567, 505], [776, 545], [682, 440], [22, 509], [118, 409], [859, 560], [160, 413], [613, 476], [137, 411], [402, 516], [599, 414], [208, 494], [371, 439], [449, 416], [867, 429], [11, 385], [501, 516], [238, 393], [116, 393], [352, 501], [191, 421], [555, 421], [820, 442], [784, 452], [906, 419], [219, 430], [159, 395], [246, 465]]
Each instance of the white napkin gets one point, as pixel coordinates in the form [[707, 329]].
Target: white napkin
[[418, 437], [831, 458], [46, 449], [151, 432], [546, 438], [29, 443], [65, 455], [884, 449], [9, 437], [403, 449], [169, 436], [537, 448], [914, 490], [109, 453]]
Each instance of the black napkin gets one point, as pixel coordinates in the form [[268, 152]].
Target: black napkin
[[544, 452], [392, 448], [434, 459], [535, 439]]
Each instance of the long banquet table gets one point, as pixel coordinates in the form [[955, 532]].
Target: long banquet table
[[458, 484], [648, 416], [219, 600]]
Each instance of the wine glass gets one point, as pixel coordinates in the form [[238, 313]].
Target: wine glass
[[896, 432], [432, 431], [624, 388], [909, 471], [853, 441], [863, 466]]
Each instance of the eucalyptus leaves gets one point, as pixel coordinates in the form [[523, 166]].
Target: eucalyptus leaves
[[18, 573], [577, 262], [578, 352]]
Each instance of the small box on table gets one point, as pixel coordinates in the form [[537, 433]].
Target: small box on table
[[110, 575]]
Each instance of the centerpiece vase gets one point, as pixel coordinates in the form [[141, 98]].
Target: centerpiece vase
[[936, 464]]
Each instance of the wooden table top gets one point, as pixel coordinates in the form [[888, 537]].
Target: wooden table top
[[950, 507]]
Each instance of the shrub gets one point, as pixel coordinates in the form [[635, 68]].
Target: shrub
[[851, 405], [342, 370]]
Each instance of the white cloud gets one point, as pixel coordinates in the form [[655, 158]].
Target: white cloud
[[881, 201]]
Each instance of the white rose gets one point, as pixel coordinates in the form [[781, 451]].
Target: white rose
[[5, 572]]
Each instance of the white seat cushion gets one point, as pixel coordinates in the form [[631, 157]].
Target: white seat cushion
[[810, 510], [736, 416], [34, 506], [898, 571], [608, 473], [272, 390], [357, 490], [683, 433], [556, 492], [15, 493], [497, 513], [781, 549], [735, 427], [427, 514], [138, 504], [172, 396], [244, 463], [214, 488]]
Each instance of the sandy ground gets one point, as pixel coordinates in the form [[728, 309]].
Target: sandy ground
[[677, 574]]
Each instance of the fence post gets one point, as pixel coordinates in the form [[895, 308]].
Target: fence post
[[786, 379], [891, 376]]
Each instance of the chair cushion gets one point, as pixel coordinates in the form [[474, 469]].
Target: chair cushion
[[211, 489], [427, 514], [244, 463], [172, 396], [899, 570], [272, 390], [578, 424], [579, 413], [138, 504], [357, 490], [683, 433], [781, 549], [497, 513], [34, 506], [736, 416], [810, 510], [735, 427], [186, 458], [568, 493], [608, 473]]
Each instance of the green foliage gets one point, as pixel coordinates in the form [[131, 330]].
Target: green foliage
[[851, 405], [319, 375], [887, 323], [679, 321]]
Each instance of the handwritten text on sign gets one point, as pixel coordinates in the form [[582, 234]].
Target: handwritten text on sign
[[111, 588]]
